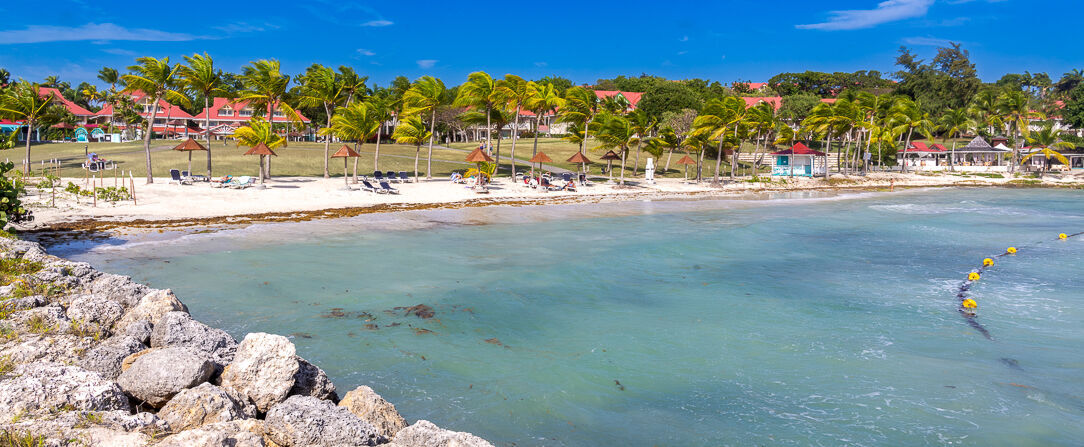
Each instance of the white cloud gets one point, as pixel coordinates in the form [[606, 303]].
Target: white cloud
[[91, 32], [364, 52], [684, 38], [378, 23], [886, 11], [683, 52], [927, 41], [540, 64], [120, 52], [427, 63]]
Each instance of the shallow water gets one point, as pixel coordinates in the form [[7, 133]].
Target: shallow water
[[807, 319]]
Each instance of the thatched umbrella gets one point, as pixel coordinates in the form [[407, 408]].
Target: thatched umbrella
[[581, 159], [479, 156], [262, 150], [345, 152], [539, 158], [610, 156], [189, 146], [686, 160]]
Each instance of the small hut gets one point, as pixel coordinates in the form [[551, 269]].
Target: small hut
[[979, 153], [799, 160]]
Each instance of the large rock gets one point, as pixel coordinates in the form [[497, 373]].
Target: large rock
[[426, 434], [37, 387], [204, 404], [118, 288], [308, 421], [95, 312], [44, 320], [156, 376], [263, 369], [310, 380], [364, 403], [152, 307], [140, 330], [92, 428], [51, 347], [106, 358], [246, 433], [179, 329]]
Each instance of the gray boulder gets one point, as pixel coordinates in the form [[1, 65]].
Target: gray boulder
[[204, 404], [364, 403], [95, 312], [262, 370], [151, 307], [426, 434], [179, 329], [308, 421], [156, 376], [106, 358], [38, 387], [246, 433], [44, 320], [51, 347], [117, 288], [310, 380], [140, 330]]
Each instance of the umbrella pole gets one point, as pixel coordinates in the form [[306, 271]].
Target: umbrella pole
[[346, 176], [189, 162]]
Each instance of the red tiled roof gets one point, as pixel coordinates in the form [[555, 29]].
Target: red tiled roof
[[168, 110], [72, 107], [633, 97], [775, 101], [799, 149], [939, 147], [219, 103], [754, 85]]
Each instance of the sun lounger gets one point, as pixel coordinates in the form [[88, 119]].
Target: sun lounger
[[365, 185], [221, 181], [387, 188], [567, 177], [391, 177], [378, 176], [175, 176], [241, 182], [403, 177]]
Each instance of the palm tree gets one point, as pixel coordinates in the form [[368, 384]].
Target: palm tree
[[112, 77], [763, 120], [23, 101], [478, 92], [200, 77], [424, 97], [579, 110], [322, 86], [644, 124], [353, 84], [617, 132], [984, 110], [257, 131], [697, 142], [355, 122], [717, 118], [411, 130], [159, 80], [380, 108], [1016, 113], [907, 116], [512, 93], [51, 81], [265, 86], [542, 99], [670, 140], [1045, 139], [954, 123]]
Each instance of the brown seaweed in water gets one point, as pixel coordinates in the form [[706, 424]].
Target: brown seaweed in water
[[372, 327], [301, 335], [419, 310]]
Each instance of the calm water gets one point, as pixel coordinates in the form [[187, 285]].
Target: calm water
[[824, 320]]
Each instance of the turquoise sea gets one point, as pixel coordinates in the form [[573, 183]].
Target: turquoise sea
[[787, 319]]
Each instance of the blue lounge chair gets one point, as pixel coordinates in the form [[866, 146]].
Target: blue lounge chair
[[387, 188], [365, 185], [403, 177], [378, 176], [175, 176], [391, 177]]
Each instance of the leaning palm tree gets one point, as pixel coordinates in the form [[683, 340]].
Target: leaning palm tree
[[1016, 114], [644, 124], [512, 93], [718, 118], [321, 86], [112, 77], [478, 92], [264, 85], [423, 98], [617, 132], [670, 140], [23, 101], [159, 80], [380, 109], [411, 130], [954, 123], [1042, 141], [200, 77], [542, 99], [356, 123], [581, 106], [257, 131]]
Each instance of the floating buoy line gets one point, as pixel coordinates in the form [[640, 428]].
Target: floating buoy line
[[968, 306]]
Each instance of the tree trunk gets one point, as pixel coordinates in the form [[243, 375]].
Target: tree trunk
[[624, 155], [327, 143], [29, 129], [905, 145], [719, 159], [355, 162], [669, 155], [515, 132], [417, 155], [207, 131], [952, 157], [376, 155], [827, 149], [489, 132], [146, 140], [639, 144], [537, 124], [432, 134]]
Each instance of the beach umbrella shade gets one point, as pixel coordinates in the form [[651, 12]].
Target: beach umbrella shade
[[262, 150], [581, 159], [344, 153], [610, 156], [539, 158], [686, 160], [479, 156], [189, 146]]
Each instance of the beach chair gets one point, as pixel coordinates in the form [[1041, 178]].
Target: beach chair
[[369, 187], [387, 188], [175, 176], [567, 177], [391, 177], [241, 182], [403, 177], [221, 181], [378, 176]]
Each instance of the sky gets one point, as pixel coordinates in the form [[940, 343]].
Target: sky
[[725, 41]]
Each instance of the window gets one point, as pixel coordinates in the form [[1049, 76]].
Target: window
[[245, 112], [226, 111], [279, 113]]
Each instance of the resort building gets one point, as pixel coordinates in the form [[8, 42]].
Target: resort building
[[799, 160], [226, 116], [549, 125], [82, 115], [921, 155], [171, 120]]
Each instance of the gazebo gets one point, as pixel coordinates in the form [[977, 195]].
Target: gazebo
[[979, 153], [799, 160]]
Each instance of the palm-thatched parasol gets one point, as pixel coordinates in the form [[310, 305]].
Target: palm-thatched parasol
[[189, 146], [262, 150], [610, 156], [345, 152], [539, 158], [686, 160], [479, 156], [578, 157]]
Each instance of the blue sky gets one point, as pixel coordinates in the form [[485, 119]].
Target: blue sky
[[581, 40]]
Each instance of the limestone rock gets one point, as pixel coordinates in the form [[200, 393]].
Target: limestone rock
[[263, 369], [426, 434], [246, 433], [310, 380], [118, 288], [44, 320], [156, 376], [100, 436], [308, 421], [140, 330], [204, 404], [95, 311], [152, 307], [364, 403], [36, 387], [179, 329], [106, 358]]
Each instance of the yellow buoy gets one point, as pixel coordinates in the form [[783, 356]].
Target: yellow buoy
[[987, 262], [1063, 236], [973, 276], [1011, 250], [970, 303]]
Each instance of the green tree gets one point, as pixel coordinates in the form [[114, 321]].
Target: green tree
[[954, 123], [512, 93], [717, 119], [668, 97], [23, 101], [200, 77], [159, 80], [424, 97], [643, 124], [265, 86], [478, 92], [321, 86], [1044, 142], [258, 131], [541, 100], [617, 132], [356, 122], [798, 106], [412, 131], [353, 84]]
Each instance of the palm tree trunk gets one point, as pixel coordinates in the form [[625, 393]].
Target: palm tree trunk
[[432, 134], [515, 132], [417, 155], [639, 144], [718, 159], [905, 145], [827, 148], [624, 155], [952, 157], [489, 131], [207, 131], [537, 124], [270, 122], [670, 155], [355, 163], [734, 157], [376, 155], [146, 140], [327, 143]]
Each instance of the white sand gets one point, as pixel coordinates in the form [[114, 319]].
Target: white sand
[[165, 201]]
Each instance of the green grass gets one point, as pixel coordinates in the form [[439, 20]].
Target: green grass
[[10, 269], [14, 439]]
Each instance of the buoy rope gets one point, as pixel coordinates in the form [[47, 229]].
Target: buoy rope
[[967, 305]]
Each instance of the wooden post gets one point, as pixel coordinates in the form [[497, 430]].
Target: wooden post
[[132, 179], [94, 193], [115, 178]]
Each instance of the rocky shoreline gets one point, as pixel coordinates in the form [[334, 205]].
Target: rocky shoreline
[[92, 358]]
